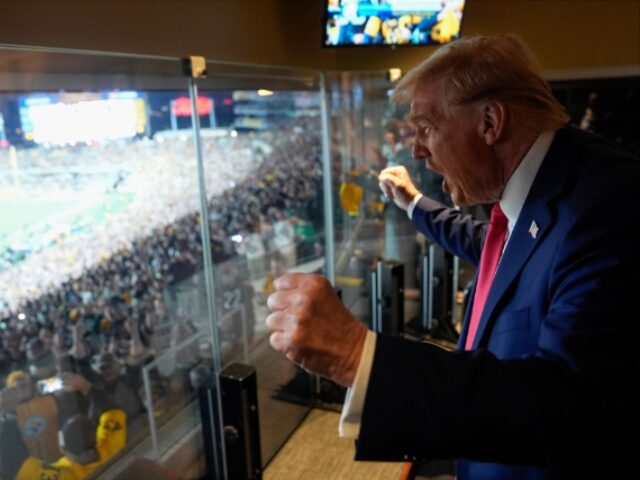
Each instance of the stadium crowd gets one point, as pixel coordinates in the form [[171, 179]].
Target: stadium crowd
[[87, 310]]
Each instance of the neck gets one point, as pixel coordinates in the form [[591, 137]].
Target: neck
[[514, 150]]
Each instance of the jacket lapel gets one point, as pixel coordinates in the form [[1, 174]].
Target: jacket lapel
[[519, 248], [525, 237]]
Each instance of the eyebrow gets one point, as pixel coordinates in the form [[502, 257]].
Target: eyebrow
[[425, 117], [414, 119]]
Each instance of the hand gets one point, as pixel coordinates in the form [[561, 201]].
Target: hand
[[11, 397], [396, 184], [75, 382], [313, 328]]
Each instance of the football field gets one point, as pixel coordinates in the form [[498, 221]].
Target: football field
[[21, 218], [17, 215]]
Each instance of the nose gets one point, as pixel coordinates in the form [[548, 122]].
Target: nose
[[420, 150]]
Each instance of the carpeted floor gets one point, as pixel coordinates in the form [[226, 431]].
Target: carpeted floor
[[315, 452]]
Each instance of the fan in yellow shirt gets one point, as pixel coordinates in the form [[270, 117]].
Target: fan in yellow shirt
[[85, 448]]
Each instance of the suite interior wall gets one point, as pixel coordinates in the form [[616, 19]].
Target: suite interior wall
[[566, 34]]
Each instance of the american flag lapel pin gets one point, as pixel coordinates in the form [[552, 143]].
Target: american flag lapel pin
[[533, 229]]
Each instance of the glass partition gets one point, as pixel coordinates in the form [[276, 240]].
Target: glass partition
[[263, 185], [368, 134], [137, 251], [367, 227]]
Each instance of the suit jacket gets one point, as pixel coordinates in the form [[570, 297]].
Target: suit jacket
[[547, 391]]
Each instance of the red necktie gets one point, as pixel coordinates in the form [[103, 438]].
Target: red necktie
[[489, 259]]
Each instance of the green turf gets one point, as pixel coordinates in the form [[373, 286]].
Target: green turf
[[15, 216]]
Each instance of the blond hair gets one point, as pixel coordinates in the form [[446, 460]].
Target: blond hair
[[496, 67]]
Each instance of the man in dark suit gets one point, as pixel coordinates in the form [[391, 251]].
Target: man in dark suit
[[542, 383]]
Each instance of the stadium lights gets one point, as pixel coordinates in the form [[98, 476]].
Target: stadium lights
[[265, 93], [21, 316]]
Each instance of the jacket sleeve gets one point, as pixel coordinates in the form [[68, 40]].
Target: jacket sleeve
[[456, 232], [424, 404]]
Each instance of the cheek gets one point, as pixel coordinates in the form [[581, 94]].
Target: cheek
[[452, 168], [459, 176]]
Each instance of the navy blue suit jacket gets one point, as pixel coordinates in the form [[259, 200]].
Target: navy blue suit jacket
[[548, 390]]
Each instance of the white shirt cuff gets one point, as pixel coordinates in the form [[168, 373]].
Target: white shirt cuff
[[412, 205], [354, 400]]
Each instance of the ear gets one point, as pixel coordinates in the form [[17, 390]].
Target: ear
[[493, 121]]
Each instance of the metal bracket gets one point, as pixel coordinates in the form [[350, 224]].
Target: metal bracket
[[194, 67]]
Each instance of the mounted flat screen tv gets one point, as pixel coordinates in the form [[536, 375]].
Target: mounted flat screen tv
[[391, 22]]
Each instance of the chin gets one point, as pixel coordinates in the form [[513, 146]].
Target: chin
[[460, 199]]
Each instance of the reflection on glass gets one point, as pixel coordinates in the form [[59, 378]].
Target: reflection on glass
[[358, 109], [369, 133]]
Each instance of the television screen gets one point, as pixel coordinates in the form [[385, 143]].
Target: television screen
[[392, 22]]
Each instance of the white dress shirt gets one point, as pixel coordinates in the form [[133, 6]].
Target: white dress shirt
[[513, 198]]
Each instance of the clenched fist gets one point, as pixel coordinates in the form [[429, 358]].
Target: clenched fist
[[396, 184], [311, 326]]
